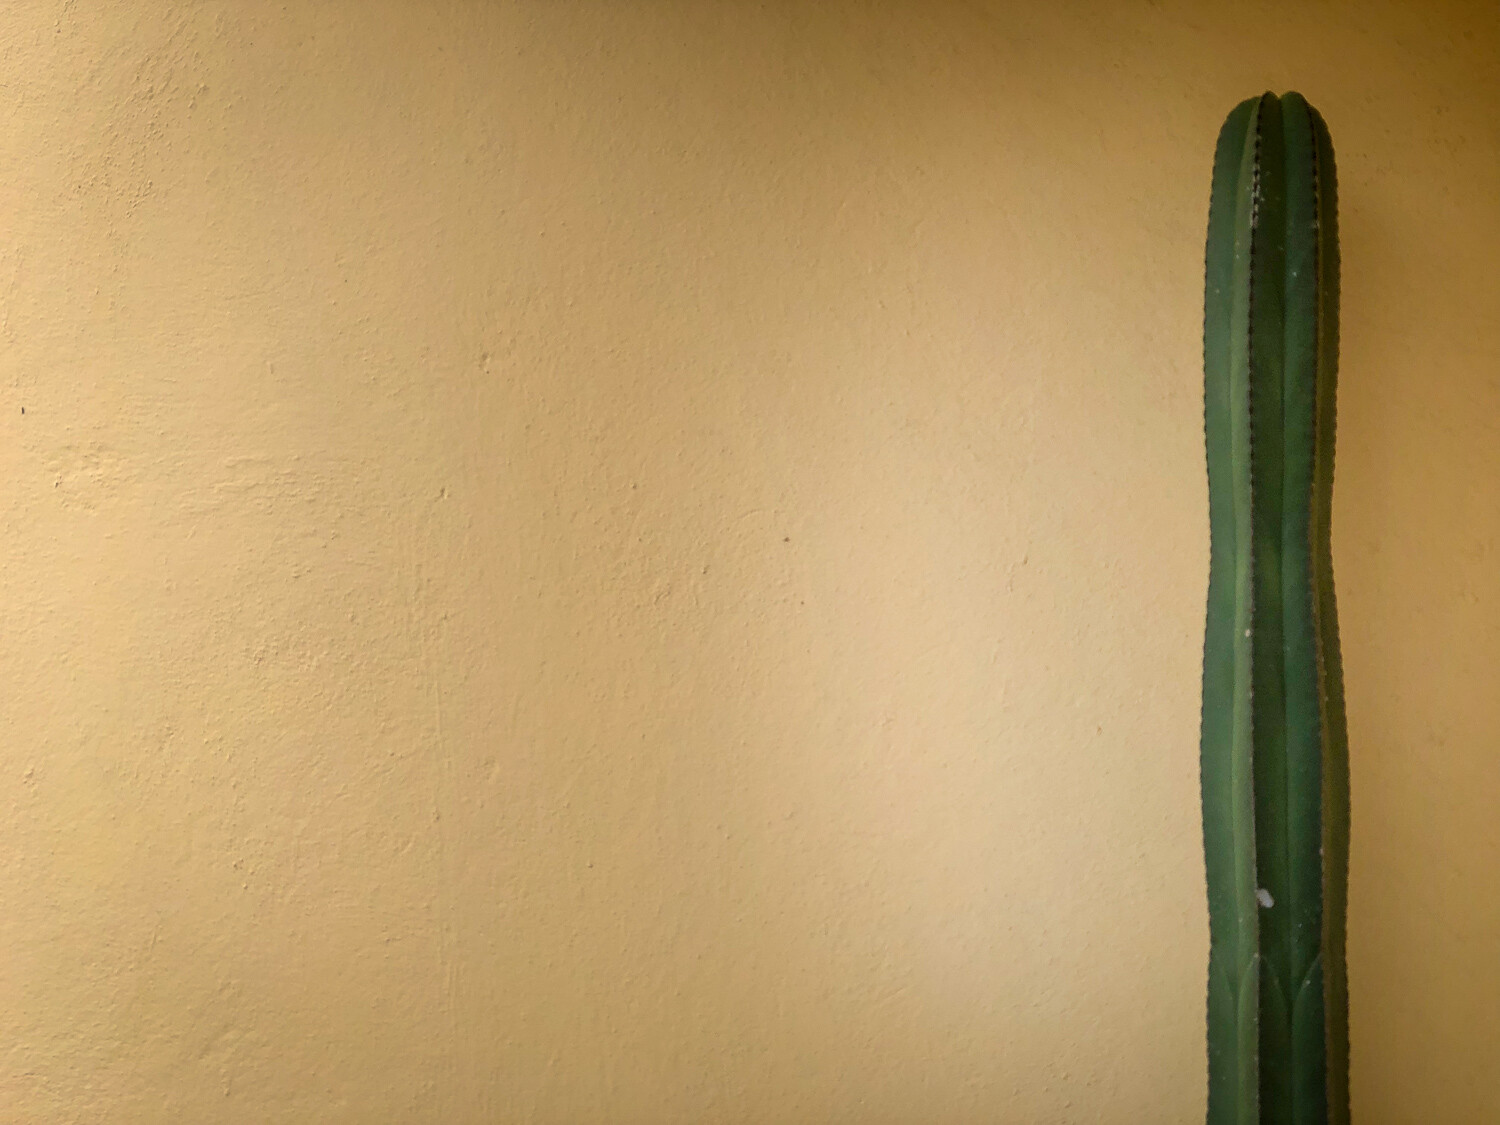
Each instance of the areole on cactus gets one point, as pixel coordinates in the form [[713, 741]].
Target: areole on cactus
[[1274, 748]]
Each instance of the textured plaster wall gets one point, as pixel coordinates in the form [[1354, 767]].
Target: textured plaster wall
[[644, 562]]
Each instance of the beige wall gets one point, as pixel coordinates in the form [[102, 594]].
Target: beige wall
[[644, 562]]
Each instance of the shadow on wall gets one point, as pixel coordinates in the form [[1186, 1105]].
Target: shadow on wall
[[1417, 534]]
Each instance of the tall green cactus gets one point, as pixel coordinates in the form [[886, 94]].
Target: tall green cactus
[[1274, 748]]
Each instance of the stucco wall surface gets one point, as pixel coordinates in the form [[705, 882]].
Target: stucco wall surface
[[644, 562]]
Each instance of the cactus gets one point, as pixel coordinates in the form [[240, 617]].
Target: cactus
[[1274, 749]]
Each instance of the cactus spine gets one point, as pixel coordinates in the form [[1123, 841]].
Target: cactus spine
[[1274, 750]]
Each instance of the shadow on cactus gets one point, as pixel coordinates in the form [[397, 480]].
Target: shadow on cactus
[[1274, 748]]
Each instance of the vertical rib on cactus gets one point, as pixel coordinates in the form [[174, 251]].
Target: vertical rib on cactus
[[1274, 753]]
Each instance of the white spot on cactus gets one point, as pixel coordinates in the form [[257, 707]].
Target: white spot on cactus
[[1263, 897]]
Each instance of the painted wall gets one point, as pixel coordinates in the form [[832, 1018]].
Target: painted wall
[[644, 562]]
